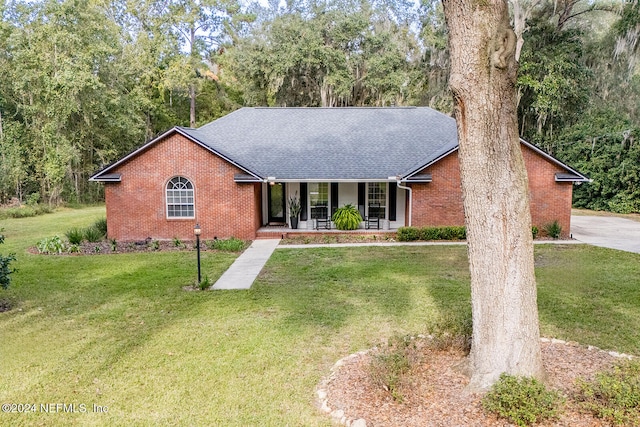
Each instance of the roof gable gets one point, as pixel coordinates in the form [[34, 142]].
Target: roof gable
[[106, 175]]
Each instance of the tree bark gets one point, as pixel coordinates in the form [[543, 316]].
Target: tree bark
[[192, 105], [483, 74]]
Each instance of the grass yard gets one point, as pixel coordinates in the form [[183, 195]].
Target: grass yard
[[118, 331]]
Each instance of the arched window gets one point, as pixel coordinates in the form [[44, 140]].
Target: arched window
[[180, 198]]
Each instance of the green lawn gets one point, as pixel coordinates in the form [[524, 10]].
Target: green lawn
[[118, 331]]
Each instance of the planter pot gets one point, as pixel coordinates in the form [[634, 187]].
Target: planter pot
[[293, 222]]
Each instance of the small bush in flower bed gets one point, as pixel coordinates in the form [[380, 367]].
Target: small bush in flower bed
[[409, 234], [613, 396], [230, 245], [391, 364], [523, 401], [93, 234], [75, 235]]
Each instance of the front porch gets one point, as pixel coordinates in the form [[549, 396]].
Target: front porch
[[286, 232], [383, 206]]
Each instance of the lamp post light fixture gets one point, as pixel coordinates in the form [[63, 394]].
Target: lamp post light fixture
[[197, 230]]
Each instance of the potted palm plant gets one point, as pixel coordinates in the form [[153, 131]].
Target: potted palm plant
[[347, 217], [294, 210]]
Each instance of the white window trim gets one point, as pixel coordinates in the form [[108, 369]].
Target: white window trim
[[166, 198], [386, 198], [309, 206]]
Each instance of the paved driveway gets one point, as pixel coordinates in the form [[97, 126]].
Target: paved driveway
[[607, 231]]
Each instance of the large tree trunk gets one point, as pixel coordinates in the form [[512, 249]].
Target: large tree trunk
[[192, 105], [495, 192]]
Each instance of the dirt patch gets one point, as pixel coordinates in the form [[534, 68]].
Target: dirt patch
[[435, 395], [5, 305]]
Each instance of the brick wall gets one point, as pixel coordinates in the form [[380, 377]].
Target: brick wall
[[439, 203], [549, 200], [136, 207]]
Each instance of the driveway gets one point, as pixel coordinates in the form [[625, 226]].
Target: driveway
[[607, 231]]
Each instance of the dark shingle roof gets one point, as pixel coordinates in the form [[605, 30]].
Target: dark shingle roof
[[330, 143]]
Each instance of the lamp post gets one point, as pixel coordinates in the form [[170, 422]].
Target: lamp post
[[197, 230]]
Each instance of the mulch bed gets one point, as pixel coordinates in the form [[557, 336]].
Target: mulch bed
[[148, 245], [435, 394]]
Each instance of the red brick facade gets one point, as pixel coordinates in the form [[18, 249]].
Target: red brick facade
[[439, 203], [136, 206]]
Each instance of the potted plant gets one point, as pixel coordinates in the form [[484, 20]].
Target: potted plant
[[347, 217], [294, 210]]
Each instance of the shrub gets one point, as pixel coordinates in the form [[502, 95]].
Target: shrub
[[521, 400], [347, 217], [75, 235], [553, 229], [454, 331], [429, 233], [205, 283], [101, 225], [614, 395], [43, 209], [389, 367], [6, 270], [93, 234], [33, 199], [114, 245], [408, 234], [21, 212], [177, 242], [25, 211], [534, 231], [453, 233], [51, 245], [5, 267], [229, 245]]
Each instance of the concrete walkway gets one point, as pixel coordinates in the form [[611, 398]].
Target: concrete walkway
[[247, 266], [607, 231]]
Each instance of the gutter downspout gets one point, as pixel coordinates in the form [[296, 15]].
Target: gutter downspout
[[410, 198]]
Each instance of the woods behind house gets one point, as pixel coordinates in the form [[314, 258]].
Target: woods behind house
[[83, 82]]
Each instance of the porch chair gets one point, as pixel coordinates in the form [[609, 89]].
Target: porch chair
[[321, 215], [373, 219]]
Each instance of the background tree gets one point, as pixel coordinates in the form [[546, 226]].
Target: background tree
[[553, 82], [63, 90], [506, 334], [627, 31], [85, 81], [198, 27], [329, 54], [433, 36]]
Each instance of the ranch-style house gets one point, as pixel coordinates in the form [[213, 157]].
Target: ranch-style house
[[235, 175]]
